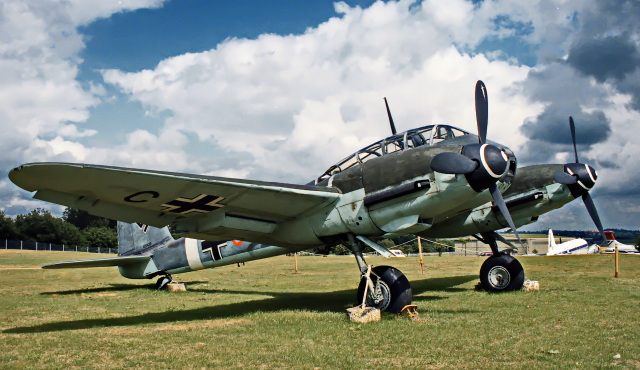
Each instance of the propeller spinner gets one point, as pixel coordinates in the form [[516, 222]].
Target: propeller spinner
[[483, 164], [580, 178]]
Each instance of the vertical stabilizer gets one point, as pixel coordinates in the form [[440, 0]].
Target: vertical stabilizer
[[136, 238], [609, 235], [552, 242]]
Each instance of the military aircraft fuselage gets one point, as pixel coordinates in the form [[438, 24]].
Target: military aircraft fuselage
[[389, 188]]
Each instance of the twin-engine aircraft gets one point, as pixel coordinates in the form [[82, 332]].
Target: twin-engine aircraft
[[431, 181]]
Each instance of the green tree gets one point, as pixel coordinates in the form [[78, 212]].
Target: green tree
[[40, 226], [103, 237], [341, 250], [386, 243], [440, 245], [7, 227], [82, 219]]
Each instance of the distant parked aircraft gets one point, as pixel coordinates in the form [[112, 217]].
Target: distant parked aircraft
[[575, 246], [609, 245]]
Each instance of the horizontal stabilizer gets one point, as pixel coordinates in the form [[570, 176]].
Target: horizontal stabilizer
[[98, 262]]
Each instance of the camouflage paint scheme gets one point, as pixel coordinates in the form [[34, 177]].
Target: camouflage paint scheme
[[374, 192]]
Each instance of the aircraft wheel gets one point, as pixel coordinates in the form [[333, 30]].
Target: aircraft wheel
[[393, 293], [501, 273], [162, 282]]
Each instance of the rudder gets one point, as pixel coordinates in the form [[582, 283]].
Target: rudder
[[552, 242], [135, 239]]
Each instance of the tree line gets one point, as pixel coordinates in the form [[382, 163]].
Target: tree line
[[75, 227]]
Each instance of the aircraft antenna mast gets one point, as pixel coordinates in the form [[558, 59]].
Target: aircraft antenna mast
[[393, 126]]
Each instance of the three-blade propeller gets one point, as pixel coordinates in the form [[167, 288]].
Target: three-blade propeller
[[580, 178], [483, 164]]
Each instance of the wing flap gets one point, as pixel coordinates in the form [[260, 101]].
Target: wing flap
[[98, 262]]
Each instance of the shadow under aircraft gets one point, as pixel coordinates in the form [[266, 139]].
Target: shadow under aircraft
[[277, 301]]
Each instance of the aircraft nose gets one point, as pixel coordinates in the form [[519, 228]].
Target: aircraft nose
[[579, 177], [493, 164], [585, 176]]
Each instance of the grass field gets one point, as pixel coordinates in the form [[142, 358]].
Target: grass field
[[262, 315]]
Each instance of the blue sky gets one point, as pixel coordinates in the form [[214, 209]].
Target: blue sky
[[138, 40], [279, 90]]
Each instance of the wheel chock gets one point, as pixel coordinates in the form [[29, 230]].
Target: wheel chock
[[411, 310], [176, 287], [530, 286], [362, 314]]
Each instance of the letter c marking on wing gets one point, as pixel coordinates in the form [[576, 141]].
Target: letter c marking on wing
[[138, 197]]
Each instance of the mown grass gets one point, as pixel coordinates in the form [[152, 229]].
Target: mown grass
[[262, 315]]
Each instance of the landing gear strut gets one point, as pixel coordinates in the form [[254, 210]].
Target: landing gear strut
[[500, 272], [163, 281], [389, 290]]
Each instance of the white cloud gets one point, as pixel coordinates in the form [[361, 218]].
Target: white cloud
[[82, 12], [298, 103], [43, 103]]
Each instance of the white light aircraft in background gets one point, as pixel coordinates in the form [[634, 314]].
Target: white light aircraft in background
[[609, 245], [575, 246]]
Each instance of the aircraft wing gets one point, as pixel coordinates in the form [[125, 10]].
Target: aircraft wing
[[98, 262], [215, 206]]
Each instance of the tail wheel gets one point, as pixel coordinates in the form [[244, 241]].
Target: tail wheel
[[162, 282], [392, 290], [501, 273]]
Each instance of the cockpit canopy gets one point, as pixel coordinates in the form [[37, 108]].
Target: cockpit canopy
[[427, 135]]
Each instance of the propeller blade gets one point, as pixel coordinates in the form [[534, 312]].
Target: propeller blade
[[453, 163], [564, 178], [482, 110], [393, 126], [573, 137], [497, 197], [591, 207]]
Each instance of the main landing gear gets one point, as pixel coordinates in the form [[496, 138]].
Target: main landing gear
[[388, 289], [163, 281], [500, 272]]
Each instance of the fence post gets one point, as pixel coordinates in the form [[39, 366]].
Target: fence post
[[36, 245], [49, 246], [20, 244]]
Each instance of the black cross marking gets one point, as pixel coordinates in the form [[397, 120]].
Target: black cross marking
[[214, 250], [203, 203], [143, 227]]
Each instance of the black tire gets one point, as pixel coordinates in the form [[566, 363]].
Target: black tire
[[394, 288], [501, 273], [162, 283]]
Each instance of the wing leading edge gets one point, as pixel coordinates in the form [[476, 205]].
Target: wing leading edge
[[160, 198]]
